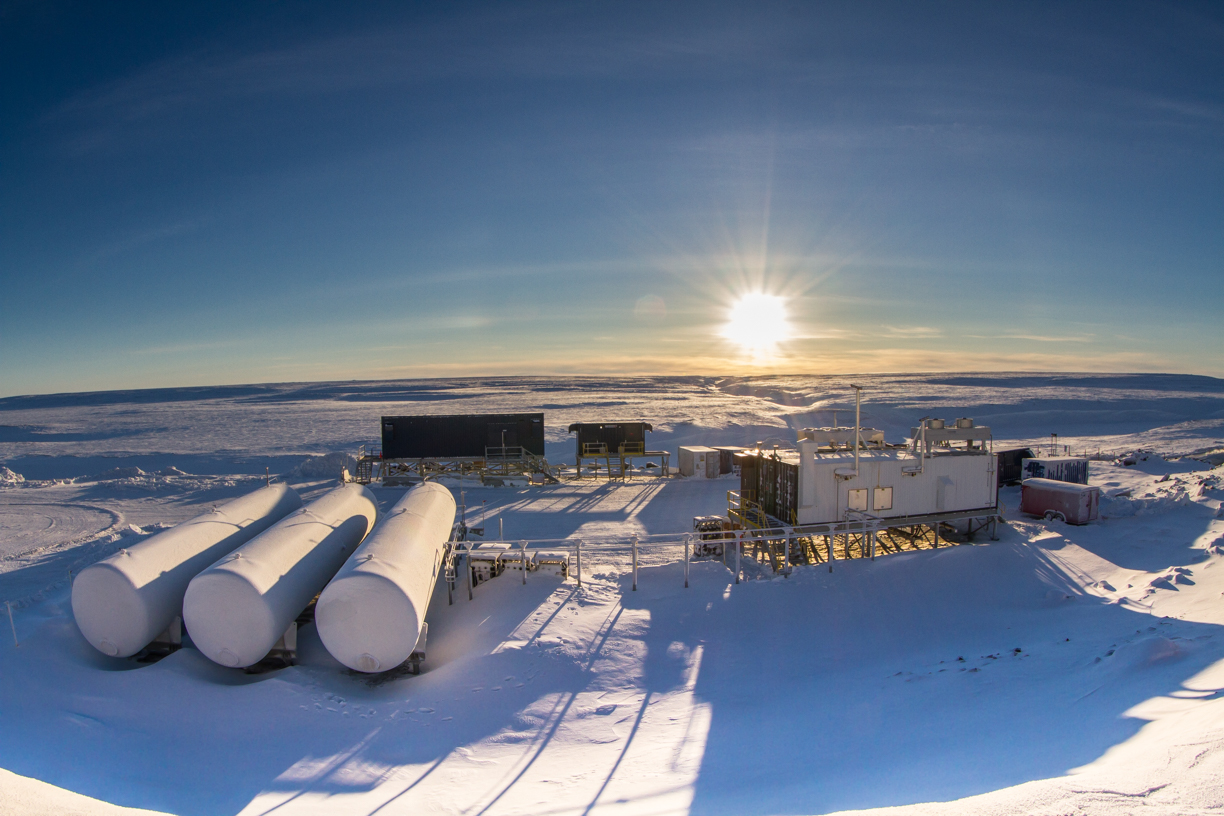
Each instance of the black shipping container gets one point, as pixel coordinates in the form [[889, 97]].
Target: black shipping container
[[1009, 463], [771, 483], [726, 457], [749, 466], [463, 436]]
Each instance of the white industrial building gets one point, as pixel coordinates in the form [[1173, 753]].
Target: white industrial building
[[829, 479]]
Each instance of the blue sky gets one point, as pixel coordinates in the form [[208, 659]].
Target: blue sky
[[267, 192]]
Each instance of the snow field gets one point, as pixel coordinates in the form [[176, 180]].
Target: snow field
[[1058, 670], [546, 698]]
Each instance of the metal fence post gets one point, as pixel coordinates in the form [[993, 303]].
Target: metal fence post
[[829, 547], [635, 543], [786, 562], [523, 560], [580, 563], [739, 547], [467, 568], [687, 540]]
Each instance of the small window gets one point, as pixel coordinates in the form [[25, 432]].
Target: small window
[[883, 498], [857, 500]]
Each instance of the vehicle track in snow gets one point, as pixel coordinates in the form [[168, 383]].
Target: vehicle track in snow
[[43, 541], [32, 528]]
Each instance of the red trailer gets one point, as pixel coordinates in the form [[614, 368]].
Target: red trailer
[[1066, 501]]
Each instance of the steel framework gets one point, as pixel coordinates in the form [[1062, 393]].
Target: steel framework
[[498, 463]]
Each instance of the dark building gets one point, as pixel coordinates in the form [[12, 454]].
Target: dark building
[[463, 436], [1009, 464], [770, 479], [611, 436], [726, 457]]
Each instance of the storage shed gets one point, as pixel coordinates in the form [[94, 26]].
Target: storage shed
[[699, 461]]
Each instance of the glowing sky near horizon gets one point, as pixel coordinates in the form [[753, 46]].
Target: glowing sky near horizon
[[230, 193]]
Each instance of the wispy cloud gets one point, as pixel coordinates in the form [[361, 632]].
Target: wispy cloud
[[143, 238], [553, 42], [186, 348], [912, 331], [1039, 338]]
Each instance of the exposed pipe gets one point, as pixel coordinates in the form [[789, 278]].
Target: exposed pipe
[[858, 438]]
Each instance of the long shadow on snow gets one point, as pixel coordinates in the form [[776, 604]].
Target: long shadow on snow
[[472, 691], [826, 691], [1150, 542], [843, 691], [560, 514], [190, 737]]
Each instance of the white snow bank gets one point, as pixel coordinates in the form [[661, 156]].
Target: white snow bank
[[323, 467], [22, 796], [8, 477], [116, 473], [1145, 652]]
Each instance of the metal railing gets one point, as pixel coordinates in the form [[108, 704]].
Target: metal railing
[[517, 555], [784, 546], [516, 453]]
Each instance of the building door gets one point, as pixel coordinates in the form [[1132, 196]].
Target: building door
[[503, 434]]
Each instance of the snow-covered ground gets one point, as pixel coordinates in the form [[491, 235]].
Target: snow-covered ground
[[1058, 670]]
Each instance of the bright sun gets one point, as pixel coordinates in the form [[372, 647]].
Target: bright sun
[[757, 323]]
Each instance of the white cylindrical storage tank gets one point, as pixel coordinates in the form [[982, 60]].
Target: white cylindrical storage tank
[[123, 602], [239, 607], [370, 615]]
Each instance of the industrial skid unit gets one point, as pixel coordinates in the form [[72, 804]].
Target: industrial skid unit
[[616, 445], [848, 488]]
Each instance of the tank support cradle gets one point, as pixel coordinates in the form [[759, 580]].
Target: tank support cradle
[[165, 644], [418, 652], [284, 651]]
